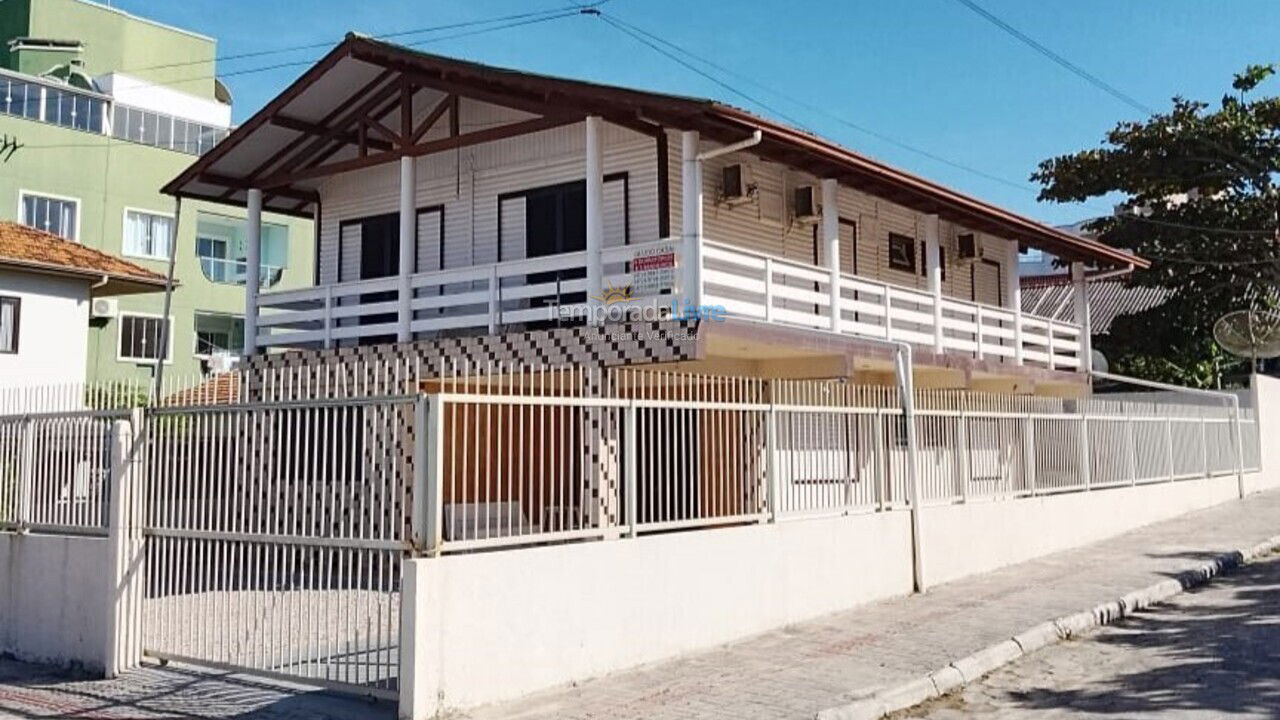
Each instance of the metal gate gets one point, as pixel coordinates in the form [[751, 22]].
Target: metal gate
[[273, 535]]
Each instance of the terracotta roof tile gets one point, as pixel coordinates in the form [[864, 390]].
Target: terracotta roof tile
[[21, 245]]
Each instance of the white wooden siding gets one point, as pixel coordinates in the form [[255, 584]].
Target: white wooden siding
[[468, 183]]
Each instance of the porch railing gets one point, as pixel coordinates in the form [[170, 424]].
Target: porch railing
[[763, 287], [483, 296], [746, 284]]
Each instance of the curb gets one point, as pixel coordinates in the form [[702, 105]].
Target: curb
[[972, 667]]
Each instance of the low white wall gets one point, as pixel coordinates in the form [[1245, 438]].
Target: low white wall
[[962, 540], [54, 603], [493, 626]]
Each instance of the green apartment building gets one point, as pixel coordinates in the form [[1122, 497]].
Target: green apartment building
[[98, 109]]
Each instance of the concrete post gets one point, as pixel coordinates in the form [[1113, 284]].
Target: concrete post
[[906, 391], [252, 271], [408, 247], [691, 217], [1013, 297], [933, 267], [831, 244], [595, 217], [123, 649], [1082, 316]]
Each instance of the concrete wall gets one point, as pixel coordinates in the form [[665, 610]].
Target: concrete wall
[[54, 599], [53, 329], [976, 537], [499, 625]]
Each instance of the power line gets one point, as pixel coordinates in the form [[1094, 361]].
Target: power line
[[652, 40], [1060, 60], [613, 19], [382, 36]]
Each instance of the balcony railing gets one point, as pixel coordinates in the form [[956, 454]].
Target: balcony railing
[[748, 285], [761, 287], [232, 272]]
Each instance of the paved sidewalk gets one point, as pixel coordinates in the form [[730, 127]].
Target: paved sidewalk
[[797, 671], [1208, 653]]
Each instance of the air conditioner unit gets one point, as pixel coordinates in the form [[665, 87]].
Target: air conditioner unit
[[806, 203], [104, 308], [736, 184], [969, 248]]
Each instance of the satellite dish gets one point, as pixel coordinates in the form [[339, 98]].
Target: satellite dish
[[1100, 363], [1253, 334]]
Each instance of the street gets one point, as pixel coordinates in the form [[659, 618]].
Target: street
[[1210, 653]]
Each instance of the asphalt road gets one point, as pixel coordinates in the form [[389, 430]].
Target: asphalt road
[[1210, 653]]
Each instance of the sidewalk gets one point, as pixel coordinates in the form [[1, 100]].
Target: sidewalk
[[800, 670]]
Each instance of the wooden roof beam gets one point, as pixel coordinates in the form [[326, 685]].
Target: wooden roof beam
[[501, 132]]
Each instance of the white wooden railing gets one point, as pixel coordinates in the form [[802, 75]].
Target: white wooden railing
[[747, 284], [762, 287], [482, 296]]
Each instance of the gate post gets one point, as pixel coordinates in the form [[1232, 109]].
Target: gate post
[[123, 649]]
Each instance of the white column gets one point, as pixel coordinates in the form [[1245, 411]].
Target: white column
[[831, 244], [1082, 316], [691, 217], [408, 246], [933, 268], [595, 215], [252, 271], [1013, 297]]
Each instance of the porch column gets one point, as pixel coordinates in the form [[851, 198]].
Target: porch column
[[252, 271], [933, 267], [1082, 316], [595, 217], [408, 246], [831, 244], [691, 217], [1013, 297]]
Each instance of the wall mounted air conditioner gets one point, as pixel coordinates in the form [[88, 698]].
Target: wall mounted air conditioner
[[104, 308], [806, 203], [736, 184]]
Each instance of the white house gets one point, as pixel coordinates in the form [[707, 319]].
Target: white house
[[47, 287]]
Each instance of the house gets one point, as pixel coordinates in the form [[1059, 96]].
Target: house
[[47, 286], [457, 199], [100, 108]]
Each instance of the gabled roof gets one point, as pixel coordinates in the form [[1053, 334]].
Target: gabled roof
[[1053, 296], [360, 84], [24, 248]]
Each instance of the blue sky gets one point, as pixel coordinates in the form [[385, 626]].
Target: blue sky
[[930, 73]]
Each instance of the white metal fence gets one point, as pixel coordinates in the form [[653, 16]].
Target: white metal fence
[[270, 529], [515, 459]]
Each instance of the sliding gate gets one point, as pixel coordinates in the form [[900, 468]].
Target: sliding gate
[[273, 536]]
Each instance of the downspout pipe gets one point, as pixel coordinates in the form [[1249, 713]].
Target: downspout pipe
[[752, 141], [1232, 399], [903, 363]]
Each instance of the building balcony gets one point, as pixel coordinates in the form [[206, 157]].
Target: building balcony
[[735, 283]]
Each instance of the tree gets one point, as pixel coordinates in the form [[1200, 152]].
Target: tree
[[1200, 201]]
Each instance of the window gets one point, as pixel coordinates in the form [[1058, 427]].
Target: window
[[51, 214], [19, 98], [164, 131], [222, 245], [218, 333], [902, 253], [10, 310], [147, 235], [140, 337]]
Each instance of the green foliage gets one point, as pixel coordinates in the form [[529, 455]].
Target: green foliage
[[1201, 203]]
